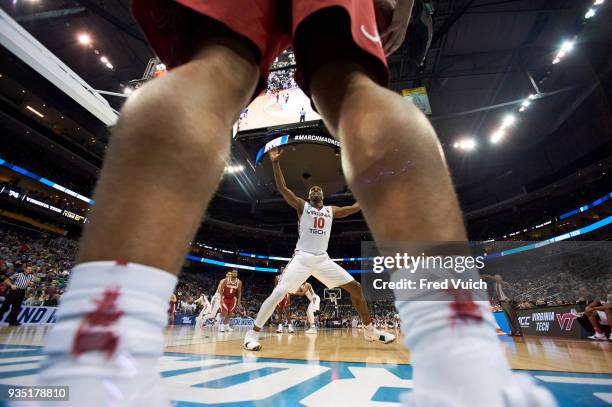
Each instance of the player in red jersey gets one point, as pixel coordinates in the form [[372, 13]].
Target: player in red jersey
[[230, 289], [282, 308], [172, 309]]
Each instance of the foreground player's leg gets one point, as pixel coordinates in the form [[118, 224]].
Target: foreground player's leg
[[163, 164], [395, 165]]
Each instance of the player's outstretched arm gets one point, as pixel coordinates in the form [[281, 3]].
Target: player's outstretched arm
[[393, 36], [279, 179], [344, 211]]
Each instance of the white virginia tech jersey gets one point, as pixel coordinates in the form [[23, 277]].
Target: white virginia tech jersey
[[314, 229]]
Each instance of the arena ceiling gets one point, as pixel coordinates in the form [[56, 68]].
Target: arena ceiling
[[485, 58]]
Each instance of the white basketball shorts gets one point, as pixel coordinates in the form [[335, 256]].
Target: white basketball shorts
[[303, 265]]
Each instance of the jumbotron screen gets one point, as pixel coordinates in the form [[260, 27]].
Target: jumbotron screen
[[281, 103]]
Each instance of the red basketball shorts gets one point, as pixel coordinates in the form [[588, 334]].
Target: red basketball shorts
[[228, 305], [284, 303], [270, 25]]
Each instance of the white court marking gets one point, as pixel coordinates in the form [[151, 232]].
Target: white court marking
[[576, 380]]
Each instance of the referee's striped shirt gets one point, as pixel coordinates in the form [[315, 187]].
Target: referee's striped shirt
[[21, 280]]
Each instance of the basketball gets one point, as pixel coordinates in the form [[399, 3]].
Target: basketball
[[383, 10]]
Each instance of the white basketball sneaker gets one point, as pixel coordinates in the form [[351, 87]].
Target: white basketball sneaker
[[228, 328], [251, 341], [311, 330], [279, 330], [221, 328], [374, 335], [290, 327], [597, 337]]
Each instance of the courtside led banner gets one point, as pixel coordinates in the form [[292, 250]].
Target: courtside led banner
[[29, 200], [35, 315]]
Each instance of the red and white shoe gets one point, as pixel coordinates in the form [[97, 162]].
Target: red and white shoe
[[597, 337]]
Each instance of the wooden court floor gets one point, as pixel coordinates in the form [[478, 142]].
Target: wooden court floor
[[201, 367], [348, 345]]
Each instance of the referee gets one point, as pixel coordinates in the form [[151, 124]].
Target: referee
[[18, 284]]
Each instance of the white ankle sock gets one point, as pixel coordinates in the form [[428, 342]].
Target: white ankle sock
[[112, 308]]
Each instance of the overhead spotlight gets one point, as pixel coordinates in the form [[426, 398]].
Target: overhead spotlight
[[531, 97], [598, 2], [36, 112], [526, 103], [567, 46], [109, 65], [508, 121], [104, 60], [128, 91], [522, 109], [466, 144], [231, 169], [84, 39], [497, 136], [589, 14], [556, 61]]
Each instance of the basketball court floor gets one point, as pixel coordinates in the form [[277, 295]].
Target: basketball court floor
[[336, 367]]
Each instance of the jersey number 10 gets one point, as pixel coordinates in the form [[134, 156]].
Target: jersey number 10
[[319, 223]]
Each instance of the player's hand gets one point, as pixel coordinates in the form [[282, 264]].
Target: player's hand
[[393, 37], [275, 154]]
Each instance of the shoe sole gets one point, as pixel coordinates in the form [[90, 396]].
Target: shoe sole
[[256, 349], [377, 340]]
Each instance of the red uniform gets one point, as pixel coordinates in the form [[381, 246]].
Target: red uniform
[[285, 302], [171, 312], [229, 295], [270, 25]]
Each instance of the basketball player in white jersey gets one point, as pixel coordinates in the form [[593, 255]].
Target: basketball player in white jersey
[[311, 258], [206, 308], [314, 306], [215, 306]]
